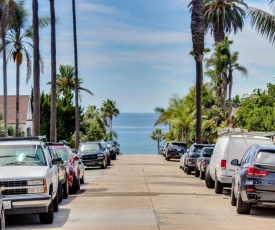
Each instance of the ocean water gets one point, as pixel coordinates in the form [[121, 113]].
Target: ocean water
[[134, 132]]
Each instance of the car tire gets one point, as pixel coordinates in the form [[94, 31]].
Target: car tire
[[75, 186], [208, 180], [197, 173], [242, 207], [233, 199], [218, 186], [113, 157], [60, 192], [82, 179], [168, 158], [202, 175], [184, 169], [47, 217], [56, 203], [188, 171], [109, 161], [3, 220], [104, 164], [66, 189]]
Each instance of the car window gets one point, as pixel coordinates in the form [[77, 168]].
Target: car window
[[265, 157], [62, 153], [207, 152], [90, 147], [245, 157], [179, 145]]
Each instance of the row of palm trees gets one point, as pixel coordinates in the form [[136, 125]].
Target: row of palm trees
[[16, 33], [222, 17]]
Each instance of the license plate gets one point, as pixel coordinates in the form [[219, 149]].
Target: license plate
[[7, 204]]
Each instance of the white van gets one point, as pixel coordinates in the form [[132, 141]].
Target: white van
[[220, 171]]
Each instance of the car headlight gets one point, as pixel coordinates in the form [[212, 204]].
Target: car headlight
[[100, 155], [35, 182]]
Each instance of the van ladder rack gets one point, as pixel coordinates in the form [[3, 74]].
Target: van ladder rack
[[31, 138], [238, 131]]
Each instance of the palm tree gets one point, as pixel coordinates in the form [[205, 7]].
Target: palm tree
[[65, 82], [53, 74], [77, 122], [197, 30], [36, 72], [157, 135], [223, 16], [264, 22], [109, 110]]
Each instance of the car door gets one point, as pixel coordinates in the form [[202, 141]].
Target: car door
[[52, 174]]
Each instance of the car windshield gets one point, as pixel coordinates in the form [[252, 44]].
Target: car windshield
[[179, 145], [265, 157], [90, 147], [21, 155], [62, 153]]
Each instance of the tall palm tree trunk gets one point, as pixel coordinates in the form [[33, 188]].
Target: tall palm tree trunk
[[197, 29], [77, 123], [17, 99], [5, 86], [53, 74], [36, 72]]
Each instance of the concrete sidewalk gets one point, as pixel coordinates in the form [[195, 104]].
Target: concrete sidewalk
[[146, 192]]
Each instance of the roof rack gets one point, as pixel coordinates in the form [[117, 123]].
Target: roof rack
[[31, 138], [238, 131]]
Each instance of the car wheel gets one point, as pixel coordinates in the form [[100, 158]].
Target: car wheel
[[104, 164], [233, 200], [66, 189], [197, 173], [168, 158], [180, 167], [3, 220], [47, 217], [82, 180], [241, 207], [184, 169], [208, 180], [55, 203], [75, 186], [188, 171], [60, 192], [218, 187], [109, 161], [113, 157], [202, 175]]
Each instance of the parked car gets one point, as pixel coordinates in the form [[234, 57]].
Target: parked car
[[203, 161], [192, 155], [117, 147], [93, 154], [228, 147], [164, 149], [175, 149], [108, 153], [75, 171], [112, 149], [254, 181], [182, 160], [2, 214], [29, 177], [160, 150]]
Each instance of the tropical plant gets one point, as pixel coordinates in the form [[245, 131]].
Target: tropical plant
[[109, 110], [223, 16], [197, 30], [65, 82], [157, 135], [264, 22]]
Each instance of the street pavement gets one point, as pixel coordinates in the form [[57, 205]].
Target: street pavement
[[146, 192]]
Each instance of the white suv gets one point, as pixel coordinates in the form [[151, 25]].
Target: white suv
[[28, 177], [220, 170]]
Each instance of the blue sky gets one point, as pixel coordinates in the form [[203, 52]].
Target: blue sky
[[136, 52]]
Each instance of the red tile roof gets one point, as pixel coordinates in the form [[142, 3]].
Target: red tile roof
[[23, 108]]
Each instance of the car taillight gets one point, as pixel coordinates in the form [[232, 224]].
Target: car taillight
[[203, 162], [251, 171], [223, 164]]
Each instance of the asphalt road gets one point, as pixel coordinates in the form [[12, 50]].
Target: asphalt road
[[146, 192]]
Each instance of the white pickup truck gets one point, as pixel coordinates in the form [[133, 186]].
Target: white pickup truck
[[28, 178]]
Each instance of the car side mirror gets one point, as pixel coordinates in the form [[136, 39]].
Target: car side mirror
[[235, 162], [57, 161]]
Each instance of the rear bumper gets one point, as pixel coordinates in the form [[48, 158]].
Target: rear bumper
[[174, 155]]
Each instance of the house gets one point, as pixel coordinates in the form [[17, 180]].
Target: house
[[25, 112]]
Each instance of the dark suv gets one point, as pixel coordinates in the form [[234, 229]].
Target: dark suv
[[93, 154], [175, 149], [254, 181], [192, 155]]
